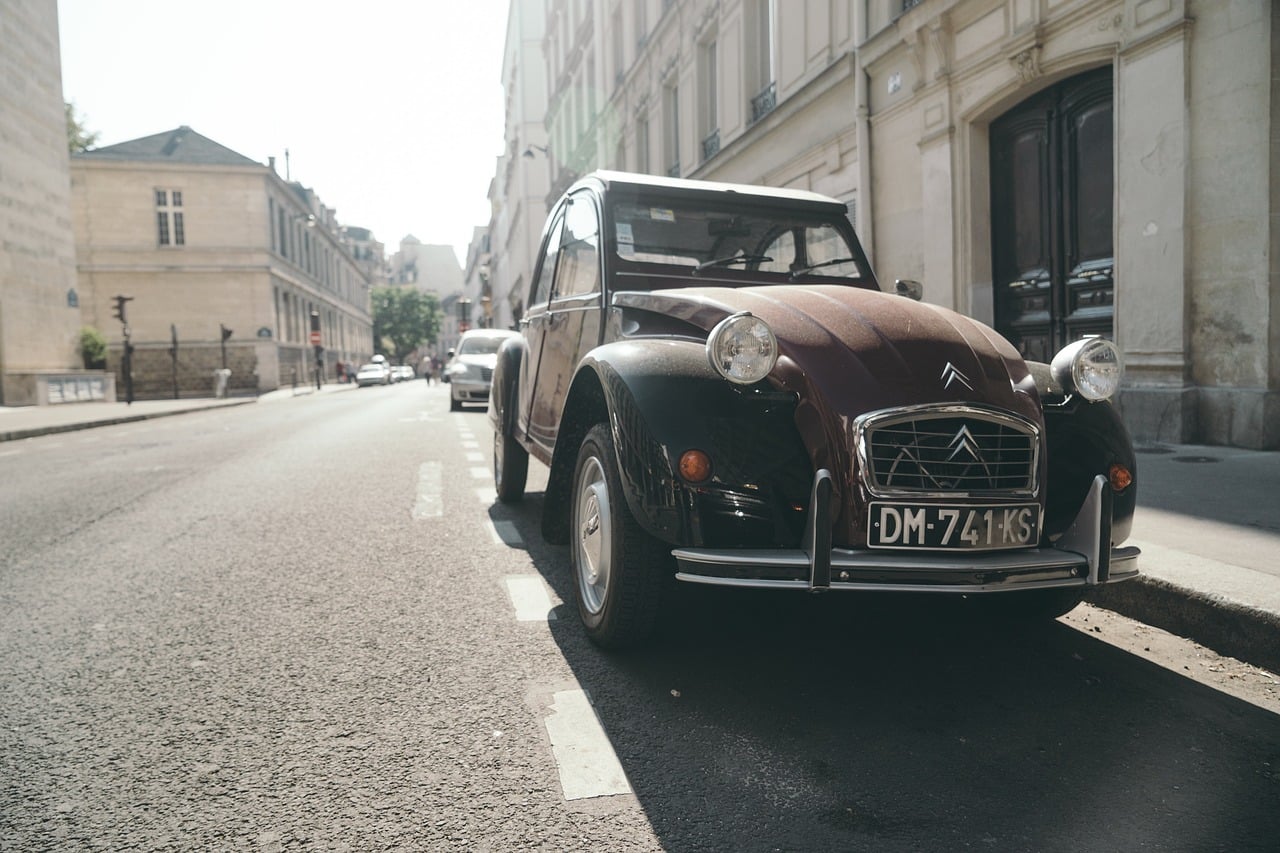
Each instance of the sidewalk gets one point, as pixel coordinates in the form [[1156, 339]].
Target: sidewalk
[[17, 422], [1208, 524]]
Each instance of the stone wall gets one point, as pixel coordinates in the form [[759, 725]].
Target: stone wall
[[153, 370]]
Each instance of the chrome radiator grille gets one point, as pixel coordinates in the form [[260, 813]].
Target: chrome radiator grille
[[949, 450], [486, 373]]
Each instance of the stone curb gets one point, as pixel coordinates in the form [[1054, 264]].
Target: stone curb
[[1237, 630], [17, 434]]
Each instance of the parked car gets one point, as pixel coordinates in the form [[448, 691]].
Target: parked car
[[725, 396], [373, 373], [402, 373], [470, 371]]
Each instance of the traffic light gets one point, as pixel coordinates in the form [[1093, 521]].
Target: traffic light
[[118, 311], [226, 333]]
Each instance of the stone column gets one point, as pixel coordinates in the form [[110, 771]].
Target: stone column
[[1151, 312]]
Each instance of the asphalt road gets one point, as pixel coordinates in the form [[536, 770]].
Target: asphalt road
[[306, 625]]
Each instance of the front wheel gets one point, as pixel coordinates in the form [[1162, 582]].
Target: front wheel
[[619, 569], [510, 467]]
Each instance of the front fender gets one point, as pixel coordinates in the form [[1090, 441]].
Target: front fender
[[1082, 440], [662, 398], [504, 395]]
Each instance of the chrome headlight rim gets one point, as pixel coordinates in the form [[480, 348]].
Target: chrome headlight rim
[[1091, 367], [738, 366]]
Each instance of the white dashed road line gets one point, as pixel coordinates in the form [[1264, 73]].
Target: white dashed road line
[[587, 763], [430, 486], [505, 533], [475, 456], [529, 597], [480, 473]]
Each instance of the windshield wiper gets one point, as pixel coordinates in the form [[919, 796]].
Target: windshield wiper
[[733, 259], [831, 263]]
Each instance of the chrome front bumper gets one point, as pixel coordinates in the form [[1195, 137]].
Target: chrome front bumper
[[1082, 556]]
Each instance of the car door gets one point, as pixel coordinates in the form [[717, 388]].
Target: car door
[[572, 327], [537, 320]]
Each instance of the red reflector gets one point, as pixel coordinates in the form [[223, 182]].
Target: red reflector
[[1120, 477], [695, 466]]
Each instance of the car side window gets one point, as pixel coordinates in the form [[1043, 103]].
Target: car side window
[[579, 271], [541, 291]]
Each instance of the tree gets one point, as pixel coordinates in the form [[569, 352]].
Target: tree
[[404, 319], [93, 348], [79, 138]]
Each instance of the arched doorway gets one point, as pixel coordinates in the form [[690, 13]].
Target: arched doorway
[[1052, 191]]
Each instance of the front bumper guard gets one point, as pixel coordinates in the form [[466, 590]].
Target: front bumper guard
[[1082, 556]]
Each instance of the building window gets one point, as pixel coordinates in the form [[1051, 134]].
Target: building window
[[169, 227], [642, 24], [760, 53], [671, 129], [708, 106], [642, 145], [618, 60]]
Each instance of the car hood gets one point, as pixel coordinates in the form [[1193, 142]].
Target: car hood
[[847, 351], [483, 360], [864, 349]]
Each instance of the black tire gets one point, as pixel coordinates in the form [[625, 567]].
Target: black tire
[[619, 570], [510, 467], [455, 405]]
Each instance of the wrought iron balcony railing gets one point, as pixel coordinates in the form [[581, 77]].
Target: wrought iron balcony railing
[[711, 144], [763, 103]]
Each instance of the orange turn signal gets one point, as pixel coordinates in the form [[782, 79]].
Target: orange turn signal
[[695, 466], [1120, 477]]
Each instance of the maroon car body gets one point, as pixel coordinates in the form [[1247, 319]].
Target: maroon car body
[[724, 395]]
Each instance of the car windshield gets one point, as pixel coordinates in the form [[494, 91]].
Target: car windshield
[[703, 237], [479, 346]]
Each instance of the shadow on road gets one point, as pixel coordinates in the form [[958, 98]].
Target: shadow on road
[[774, 721]]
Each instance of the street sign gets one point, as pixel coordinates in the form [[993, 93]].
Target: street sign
[[315, 337]]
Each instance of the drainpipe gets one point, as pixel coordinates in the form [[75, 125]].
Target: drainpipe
[[861, 88]]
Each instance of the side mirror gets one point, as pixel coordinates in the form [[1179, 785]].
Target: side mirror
[[449, 354], [908, 288]]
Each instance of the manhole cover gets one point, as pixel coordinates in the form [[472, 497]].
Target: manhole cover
[[1196, 459], [1156, 450]]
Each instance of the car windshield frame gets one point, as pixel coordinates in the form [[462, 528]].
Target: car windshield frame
[[734, 238], [480, 345]]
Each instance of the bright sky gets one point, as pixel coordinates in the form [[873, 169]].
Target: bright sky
[[392, 110]]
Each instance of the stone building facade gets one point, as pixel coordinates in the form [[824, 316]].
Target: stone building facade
[[39, 298], [203, 240], [1065, 167], [1056, 168], [500, 259]]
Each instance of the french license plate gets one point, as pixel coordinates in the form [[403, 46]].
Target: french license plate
[[902, 525]]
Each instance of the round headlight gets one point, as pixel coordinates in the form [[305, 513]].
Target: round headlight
[[1091, 367], [742, 348]]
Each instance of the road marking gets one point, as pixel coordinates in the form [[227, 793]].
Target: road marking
[[430, 488], [475, 457], [470, 445], [480, 473], [486, 495], [505, 533], [529, 597], [584, 757]]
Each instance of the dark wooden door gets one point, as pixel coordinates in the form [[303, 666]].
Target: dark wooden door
[[1052, 190]]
